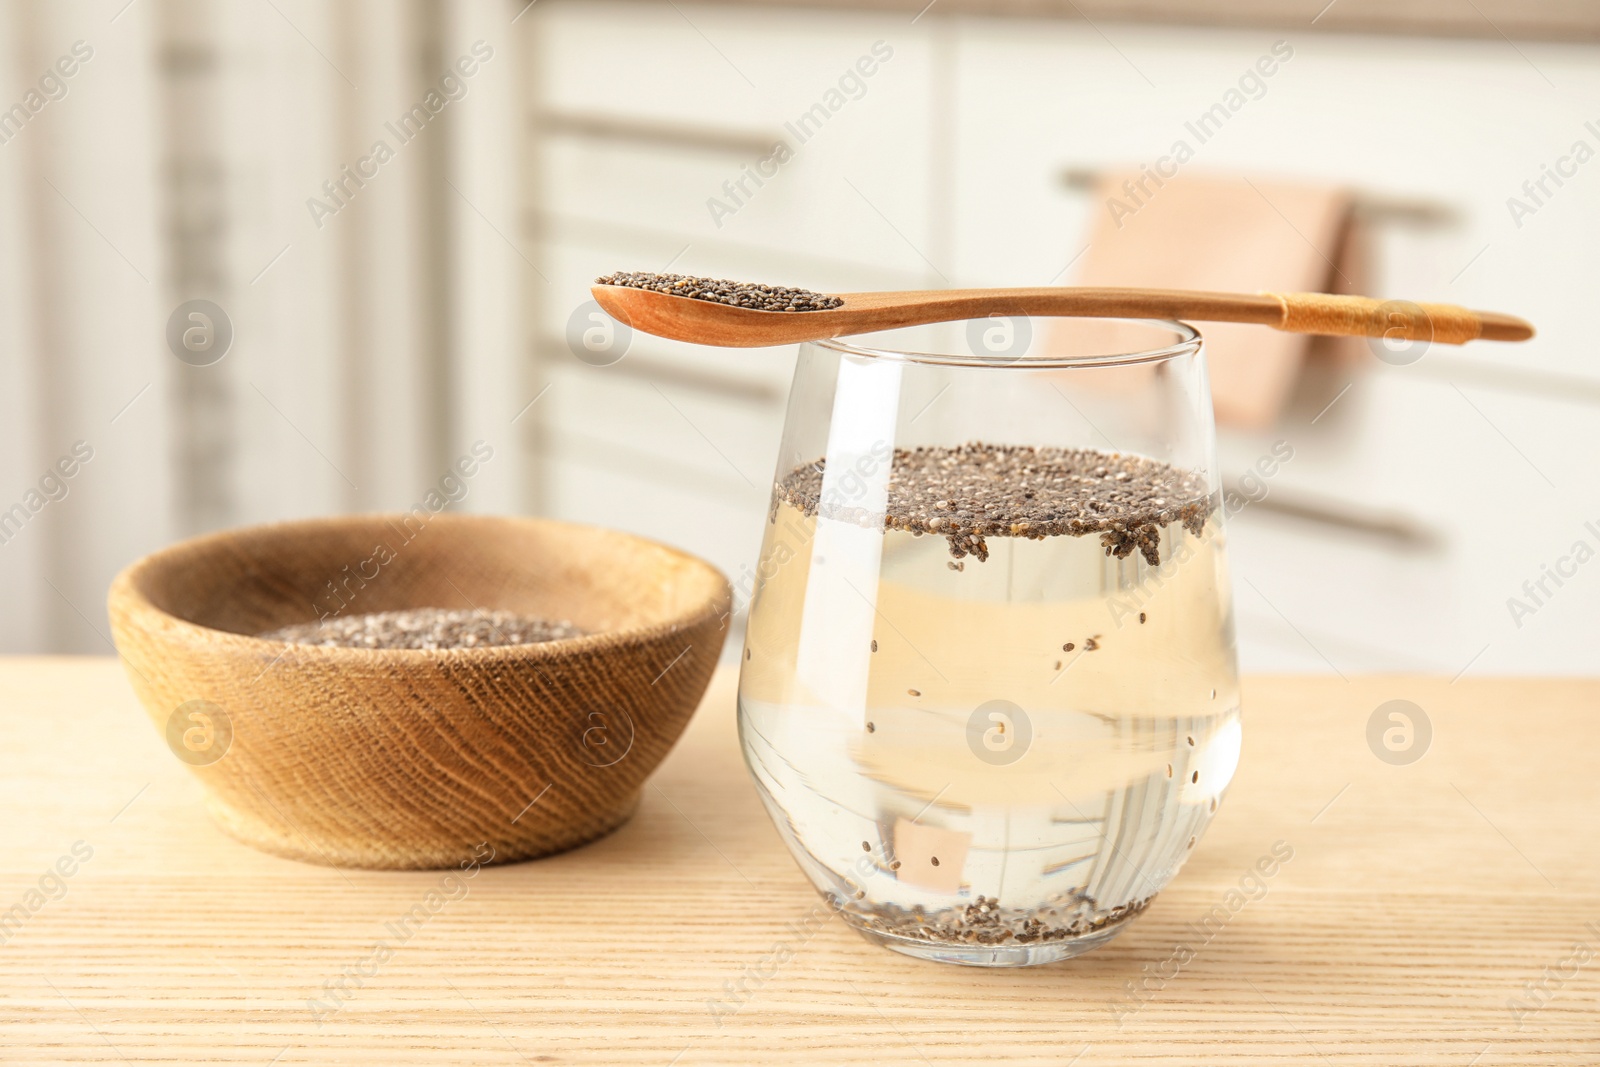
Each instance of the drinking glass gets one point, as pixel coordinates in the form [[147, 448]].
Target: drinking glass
[[989, 693]]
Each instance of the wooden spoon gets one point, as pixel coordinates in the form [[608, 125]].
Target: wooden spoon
[[707, 322]]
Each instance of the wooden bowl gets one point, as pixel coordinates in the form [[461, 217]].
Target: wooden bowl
[[410, 758]]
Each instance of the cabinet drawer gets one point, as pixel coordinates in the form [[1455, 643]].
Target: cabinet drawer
[[841, 189]]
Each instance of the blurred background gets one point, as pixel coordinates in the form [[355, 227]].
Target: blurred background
[[391, 213]]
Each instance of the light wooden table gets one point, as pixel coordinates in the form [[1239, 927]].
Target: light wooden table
[[1419, 901]]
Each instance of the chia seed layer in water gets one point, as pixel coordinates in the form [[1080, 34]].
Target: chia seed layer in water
[[971, 492], [985, 922]]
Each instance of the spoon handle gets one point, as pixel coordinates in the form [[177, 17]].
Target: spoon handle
[[1324, 313], [1316, 313]]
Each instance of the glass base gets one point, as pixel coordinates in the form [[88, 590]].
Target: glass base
[[974, 955]]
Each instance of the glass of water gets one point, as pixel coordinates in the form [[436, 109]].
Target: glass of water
[[989, 693]]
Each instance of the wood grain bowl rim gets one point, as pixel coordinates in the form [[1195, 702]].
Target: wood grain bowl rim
[[128, 594]]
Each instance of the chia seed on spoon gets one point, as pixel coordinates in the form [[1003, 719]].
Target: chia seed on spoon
[[750, 295]]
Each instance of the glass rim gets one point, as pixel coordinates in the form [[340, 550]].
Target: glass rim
[[1189, 342]]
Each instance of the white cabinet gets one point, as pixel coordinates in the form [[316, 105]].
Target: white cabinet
[[645, 153], [942, 169]]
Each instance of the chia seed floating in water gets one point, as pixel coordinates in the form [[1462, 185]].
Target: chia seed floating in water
[[751, 295], [971, 492], [426, 628]]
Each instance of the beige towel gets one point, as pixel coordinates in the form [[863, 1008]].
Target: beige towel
[[1229, 233]]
